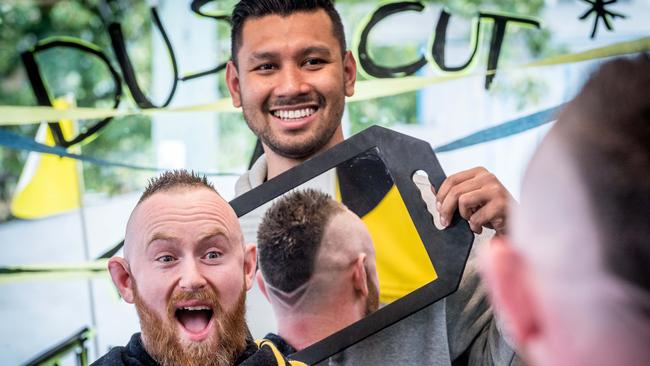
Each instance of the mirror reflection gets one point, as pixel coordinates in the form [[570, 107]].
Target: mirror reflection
[[332, 251]]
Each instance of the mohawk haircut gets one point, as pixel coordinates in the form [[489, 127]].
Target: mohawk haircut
[[174, 179], [259, 8], [290, 235]]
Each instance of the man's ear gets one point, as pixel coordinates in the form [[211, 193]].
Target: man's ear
[[359, 275], [232, 80], [349, 73], [505, 273], [261, 284], [250, 263], [119, 270]]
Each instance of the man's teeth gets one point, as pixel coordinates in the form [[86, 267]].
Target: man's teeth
[[300, 113], [194, 308]]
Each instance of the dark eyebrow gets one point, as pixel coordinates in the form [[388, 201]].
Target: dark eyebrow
[[261, 56], [316, 49], [264, 56]]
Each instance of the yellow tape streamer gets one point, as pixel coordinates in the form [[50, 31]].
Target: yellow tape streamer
[[18, 115], [367, 89], [48, 184], [97, 268], [387, 87]]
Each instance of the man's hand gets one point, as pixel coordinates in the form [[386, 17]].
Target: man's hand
[[479, 196]]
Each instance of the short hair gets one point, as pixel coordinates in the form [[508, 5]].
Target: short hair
[[290, 235], [260, 8], [607, 131], [175, 179]]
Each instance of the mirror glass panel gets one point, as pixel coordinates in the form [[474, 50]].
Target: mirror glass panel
[[365, 186]]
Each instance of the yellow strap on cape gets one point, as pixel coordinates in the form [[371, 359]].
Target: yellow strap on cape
[[279, 358]]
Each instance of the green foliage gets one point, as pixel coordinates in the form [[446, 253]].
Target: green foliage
[[385, 112], [388, 110], [236, 143], [69, 72], [72, 73], [236, 140], [125, 139]]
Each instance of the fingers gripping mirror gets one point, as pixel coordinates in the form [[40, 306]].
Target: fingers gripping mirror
[[384, 178]]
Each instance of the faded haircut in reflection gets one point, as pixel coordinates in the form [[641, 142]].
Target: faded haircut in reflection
[[220, 349], [299, 263], [291, 233]]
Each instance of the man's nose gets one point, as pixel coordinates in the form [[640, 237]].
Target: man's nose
[[292, 82], [192, 278]]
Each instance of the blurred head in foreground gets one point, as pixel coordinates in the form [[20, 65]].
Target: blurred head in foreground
[[572, 284]]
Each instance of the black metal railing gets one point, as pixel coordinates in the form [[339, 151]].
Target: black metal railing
[[75, 343]]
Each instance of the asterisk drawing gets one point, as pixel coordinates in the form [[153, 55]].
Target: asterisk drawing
[[598, 6]]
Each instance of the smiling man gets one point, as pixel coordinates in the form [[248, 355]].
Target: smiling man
[[291, 76], [187, 270], [290, 73]]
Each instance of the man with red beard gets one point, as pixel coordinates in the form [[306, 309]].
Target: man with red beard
[[187, 271]]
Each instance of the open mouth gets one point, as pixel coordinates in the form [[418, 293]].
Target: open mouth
[[195, 320]]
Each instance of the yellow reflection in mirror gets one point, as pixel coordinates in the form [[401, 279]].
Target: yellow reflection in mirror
[[403, 264]]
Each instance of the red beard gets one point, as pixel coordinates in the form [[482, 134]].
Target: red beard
[[223, 347]]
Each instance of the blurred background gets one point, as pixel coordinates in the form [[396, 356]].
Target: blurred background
[[65, 214]]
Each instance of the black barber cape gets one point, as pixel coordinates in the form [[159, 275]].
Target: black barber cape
[[134, 354]]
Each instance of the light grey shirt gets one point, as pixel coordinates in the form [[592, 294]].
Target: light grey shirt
[[460, 325]]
